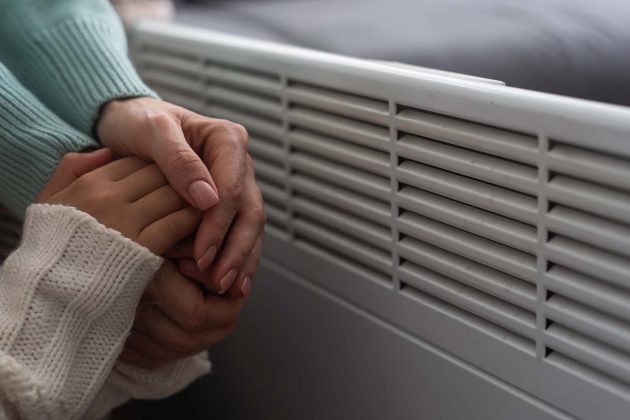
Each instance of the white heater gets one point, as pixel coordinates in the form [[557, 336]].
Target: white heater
[[439, 246]]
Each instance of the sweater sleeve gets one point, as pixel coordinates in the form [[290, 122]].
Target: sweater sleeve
[[126, 382], [72, 54], [32, 140], [67, 300]]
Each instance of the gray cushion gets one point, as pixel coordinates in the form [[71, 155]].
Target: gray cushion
[[574, 47]]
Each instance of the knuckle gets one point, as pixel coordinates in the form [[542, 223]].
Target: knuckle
[[158, 119], [186, 344], [236, 132], [240, 257], [237, 191], [259, 214], [195, 321]]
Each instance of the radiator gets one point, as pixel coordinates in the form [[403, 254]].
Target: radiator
[[485, 225]]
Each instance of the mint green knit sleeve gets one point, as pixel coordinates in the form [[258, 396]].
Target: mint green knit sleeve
[[71, 54], [32, 140]]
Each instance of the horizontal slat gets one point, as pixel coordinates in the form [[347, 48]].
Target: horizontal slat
[[366, 207], [268, 150], [588, 321], [479, 194], [589, 260], [242, 79], [588, 351], [470, 246], [276, 216], [594, 166], [464, 297], [352, 179], [368, 273], [471, 219], [495, 141], [360, 157], [173, 63], [185, 84], [268, 172], [266, 106], [340, 103], [589, 229], [470, 320], [341, 244], [371, 233], [183, 99], [254, 124], [603, 296], [468, 272], [361, 133], [273, 194], [277, 232], [501, 172], [592, 198]]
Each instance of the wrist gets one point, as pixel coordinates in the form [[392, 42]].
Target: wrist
[[111, 116]]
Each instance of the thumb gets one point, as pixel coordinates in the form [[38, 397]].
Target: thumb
[[184, 169], [71, 167]]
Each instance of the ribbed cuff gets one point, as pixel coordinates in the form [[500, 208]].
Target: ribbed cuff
[[79, 66], [126, 382], [70, 289], [33, 139]]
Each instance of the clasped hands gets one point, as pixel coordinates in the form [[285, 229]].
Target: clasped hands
[[183, 187]]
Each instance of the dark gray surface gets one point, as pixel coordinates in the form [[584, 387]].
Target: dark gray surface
[[573, 47]]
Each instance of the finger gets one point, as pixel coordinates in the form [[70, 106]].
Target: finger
[[189, 269], [183, 168], [121, 168], [171, 336], [243, 285], [240, 241], [143, 181], [157, 204], [167, 231], [182, 249], [225, 153], [184, 302], [214, 225], [71, 167]]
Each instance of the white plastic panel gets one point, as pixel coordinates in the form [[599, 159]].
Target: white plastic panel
[[491, 222]]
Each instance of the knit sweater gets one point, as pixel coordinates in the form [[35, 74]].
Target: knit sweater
[[60, 61], [67, 300]]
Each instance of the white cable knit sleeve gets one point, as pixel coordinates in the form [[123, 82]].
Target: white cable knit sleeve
[[67, 300]]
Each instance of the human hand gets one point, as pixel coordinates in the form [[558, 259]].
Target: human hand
[[129, 195], [175, 319], [204, 159]]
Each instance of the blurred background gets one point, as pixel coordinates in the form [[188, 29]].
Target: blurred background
[[579, 48]]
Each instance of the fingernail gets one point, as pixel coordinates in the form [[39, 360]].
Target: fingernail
[[203, 195], [227, 280], [246, 287], [206, 259]]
